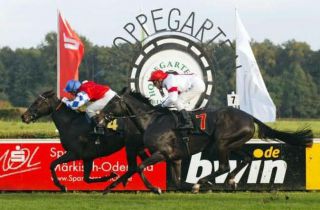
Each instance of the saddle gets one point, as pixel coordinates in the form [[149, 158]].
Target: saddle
[[199, 118]]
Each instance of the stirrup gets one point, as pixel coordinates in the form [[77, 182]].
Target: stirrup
[[185, 139], [98, 130], [97, 142], [186, 127]]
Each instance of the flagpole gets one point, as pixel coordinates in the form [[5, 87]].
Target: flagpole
[[58, 55]]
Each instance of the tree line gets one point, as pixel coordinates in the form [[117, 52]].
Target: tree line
[[291, 72]]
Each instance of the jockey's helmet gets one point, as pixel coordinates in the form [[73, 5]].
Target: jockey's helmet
[[158, 75], [72, 86]]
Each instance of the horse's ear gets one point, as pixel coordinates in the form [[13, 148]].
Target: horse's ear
[[49, 93], [124, 90]]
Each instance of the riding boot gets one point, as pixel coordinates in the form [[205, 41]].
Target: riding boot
[[186, 120], [98, 125]]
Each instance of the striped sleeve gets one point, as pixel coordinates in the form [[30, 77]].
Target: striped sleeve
[[81, 99]]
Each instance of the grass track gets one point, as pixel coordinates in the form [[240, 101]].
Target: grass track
[[17, 129], [166, 201]]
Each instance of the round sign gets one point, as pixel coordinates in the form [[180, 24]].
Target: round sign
[[173, 54]]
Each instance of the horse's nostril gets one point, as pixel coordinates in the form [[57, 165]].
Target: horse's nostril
[[25, 118]]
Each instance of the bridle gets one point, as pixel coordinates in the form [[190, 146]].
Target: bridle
[[34, 115]]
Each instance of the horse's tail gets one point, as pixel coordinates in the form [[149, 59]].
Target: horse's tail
[[302, 137]]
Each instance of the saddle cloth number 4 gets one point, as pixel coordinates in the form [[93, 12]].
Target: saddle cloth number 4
[[113, 125]]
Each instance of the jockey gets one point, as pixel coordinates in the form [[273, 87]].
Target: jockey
[[181, 89], [87, 91]]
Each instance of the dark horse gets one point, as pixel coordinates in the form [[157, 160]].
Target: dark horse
[[75, 138], [231, 129]]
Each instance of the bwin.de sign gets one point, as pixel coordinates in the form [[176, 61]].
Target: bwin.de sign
[[267, 167], [275, 166]]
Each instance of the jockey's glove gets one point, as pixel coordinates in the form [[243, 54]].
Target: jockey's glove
[[64, 99]]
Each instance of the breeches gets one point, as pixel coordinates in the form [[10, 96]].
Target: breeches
[[98, 105], [197, 88]]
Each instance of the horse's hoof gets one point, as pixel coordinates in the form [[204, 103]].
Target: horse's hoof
[[233, 184], [106, 191], [125, 182], [158, 191], [63, 189], [195, 188], [113, 174]]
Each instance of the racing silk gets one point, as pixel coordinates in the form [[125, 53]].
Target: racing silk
[[181, 88], [93, 90], [88, 91]]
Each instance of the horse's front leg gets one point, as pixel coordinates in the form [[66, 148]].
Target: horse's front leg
[[87, 165], [223, 168], [155, 158], [65, 158], [176, 172], [121, 179], [131, 153]]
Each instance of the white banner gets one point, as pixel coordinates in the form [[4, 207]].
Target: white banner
[[253, 94]]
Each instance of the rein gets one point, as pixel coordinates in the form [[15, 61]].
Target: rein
[[128, 110], [133, 115], [59, 106]]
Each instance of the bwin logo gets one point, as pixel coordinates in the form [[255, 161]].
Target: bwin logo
[[264, 168]]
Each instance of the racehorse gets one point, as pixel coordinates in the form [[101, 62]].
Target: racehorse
[[74, 131], [230, 129]]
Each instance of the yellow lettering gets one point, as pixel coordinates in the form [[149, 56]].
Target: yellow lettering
[[113, 125]]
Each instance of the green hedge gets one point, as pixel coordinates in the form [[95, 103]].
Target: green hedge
[[10, 114]]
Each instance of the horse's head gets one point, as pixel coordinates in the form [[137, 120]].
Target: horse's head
[[126, 104], [42, 106]]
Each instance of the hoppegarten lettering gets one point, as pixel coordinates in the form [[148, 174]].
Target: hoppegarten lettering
[[173, 21]]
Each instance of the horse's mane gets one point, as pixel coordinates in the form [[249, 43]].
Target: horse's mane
[[140, 97], [147, 101], [52, 94]]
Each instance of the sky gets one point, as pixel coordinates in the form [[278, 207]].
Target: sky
[[24, 23]]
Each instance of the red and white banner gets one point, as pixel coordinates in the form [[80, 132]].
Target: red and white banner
[[70, 51], [25, 165]]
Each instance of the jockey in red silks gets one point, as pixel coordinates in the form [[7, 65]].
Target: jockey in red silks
[[181, 89], [89, 91]]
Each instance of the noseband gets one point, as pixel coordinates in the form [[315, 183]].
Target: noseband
[[35, 115]]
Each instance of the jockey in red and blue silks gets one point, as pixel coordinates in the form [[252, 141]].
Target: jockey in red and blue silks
[[88, 91]]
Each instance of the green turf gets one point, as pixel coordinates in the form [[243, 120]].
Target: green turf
[[17, 129], [166, 201]]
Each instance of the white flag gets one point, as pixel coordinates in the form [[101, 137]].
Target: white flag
[[253, 94]]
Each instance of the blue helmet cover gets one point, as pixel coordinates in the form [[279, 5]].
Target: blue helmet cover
[[72, 86]]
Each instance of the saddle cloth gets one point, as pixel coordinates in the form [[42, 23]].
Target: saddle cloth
[[201, 121]]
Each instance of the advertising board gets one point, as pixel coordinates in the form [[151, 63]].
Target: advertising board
[[25, 165], [275, 166]]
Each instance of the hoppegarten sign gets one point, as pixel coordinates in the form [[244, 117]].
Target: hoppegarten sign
[[172, 41], [25, 165]]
